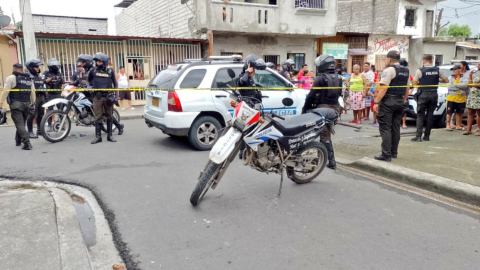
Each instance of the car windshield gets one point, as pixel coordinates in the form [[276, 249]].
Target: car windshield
[[165, 78]]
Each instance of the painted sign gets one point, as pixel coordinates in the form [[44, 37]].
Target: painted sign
[[337, 50], [382, 44]]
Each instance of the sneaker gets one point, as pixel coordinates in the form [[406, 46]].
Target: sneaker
[[132, 108], [123, 109], [376, 125]]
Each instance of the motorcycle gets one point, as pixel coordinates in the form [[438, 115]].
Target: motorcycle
[[271, 146], [74, 107]]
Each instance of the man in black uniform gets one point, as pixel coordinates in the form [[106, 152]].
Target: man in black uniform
[[33, 67], [81, 80], [53, 79], [76, 74], [21, 102], [287, 67], [326, 98], [390, 104], [427, 97], [101, 77]]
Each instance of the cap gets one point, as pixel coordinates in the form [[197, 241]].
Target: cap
[[79, 65], [17, 65], [455, 67], [393, 55]]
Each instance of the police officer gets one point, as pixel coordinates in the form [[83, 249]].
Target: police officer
[[427, 77], [390, 104], [287, 67], [270, 65], [53, 80], [101, 77], [81, 80], [76, 74], [326, 98], [21, 102], [33, 67]]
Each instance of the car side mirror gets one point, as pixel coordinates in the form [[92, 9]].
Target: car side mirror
[[231, 73], [287, 102]]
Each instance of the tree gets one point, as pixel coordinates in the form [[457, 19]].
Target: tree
[[443, 32], [438, 26], [456, 30]]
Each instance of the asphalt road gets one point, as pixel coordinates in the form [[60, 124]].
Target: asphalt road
[[339, 221]]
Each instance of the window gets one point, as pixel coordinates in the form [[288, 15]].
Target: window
[[222, 78], [299, 59], [356, 42], [272, 58], [438, 60], [317, 4], [230, 53], [193, 79], [266, 16], [358, 60], [410, 17], [264, 78], [259, 17], [471, 57]]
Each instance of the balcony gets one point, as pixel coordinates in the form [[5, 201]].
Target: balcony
[[310, 7]]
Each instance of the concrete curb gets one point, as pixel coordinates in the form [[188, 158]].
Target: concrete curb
[[457, 190], [131, 117]]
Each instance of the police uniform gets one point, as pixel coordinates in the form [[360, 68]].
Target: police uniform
[[56, 83], [427, 97], [41, 98], [81, 81], [246, 81], [391, 108], [102, 78], [20, 104]]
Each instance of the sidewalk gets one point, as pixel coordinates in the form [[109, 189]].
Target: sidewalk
[[129, 114], [40, 229]]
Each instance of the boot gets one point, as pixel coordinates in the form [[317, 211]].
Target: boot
[[417, 139], [39, 133], [118, 125], [98, 133], [332, 164], [426, 138], [109, 131], [27, 146]]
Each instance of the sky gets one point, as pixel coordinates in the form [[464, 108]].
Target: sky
[[468, 11]]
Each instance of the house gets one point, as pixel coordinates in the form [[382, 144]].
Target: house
[[272, 29], [69, 25]]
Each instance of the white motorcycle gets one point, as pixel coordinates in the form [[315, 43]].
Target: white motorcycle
[[270, 145], [75, 107]]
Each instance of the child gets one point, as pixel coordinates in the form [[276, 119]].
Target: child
[[307, 79]]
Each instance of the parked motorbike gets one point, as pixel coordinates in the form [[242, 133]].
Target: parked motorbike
[[272, 146], [74, 107]]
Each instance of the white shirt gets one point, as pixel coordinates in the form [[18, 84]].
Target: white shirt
[[122, 81]]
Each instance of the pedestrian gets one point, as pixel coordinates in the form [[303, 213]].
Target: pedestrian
[[371, 93], [346, 92], [307, 80], [358, 84], [122, 80], [457, 98], [326, 98], [370, 75], [473, 101], [21, 102], [465, 74], [302, 72], [102, 78], [392, 92], [427, 78], [403, 62], [33, 68]]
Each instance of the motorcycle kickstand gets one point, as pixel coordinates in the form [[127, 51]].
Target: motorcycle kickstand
[[281, 184]]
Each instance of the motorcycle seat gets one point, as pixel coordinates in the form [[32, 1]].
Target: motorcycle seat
[[298, 124]]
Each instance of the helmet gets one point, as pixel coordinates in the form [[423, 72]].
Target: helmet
[[53, 65], [33, 64], [85, 58], [288, 64], [270, 65], [101, 57], [403, 62], [255, 62], [324, 63]]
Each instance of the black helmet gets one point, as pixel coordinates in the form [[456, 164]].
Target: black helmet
[[101, 57], [33, 64], [403, 62], [324, 63], [288, 64], [53, 65], [270, 65], [255, 62], [85, 58]]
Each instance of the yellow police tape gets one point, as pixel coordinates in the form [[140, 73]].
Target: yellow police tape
[[233, 88]]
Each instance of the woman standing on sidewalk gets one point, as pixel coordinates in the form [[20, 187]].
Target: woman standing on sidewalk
[[358, 84], [473, 101]]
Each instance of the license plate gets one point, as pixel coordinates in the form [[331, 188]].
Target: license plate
[[155, 102]]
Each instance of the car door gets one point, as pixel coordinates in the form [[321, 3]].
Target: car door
[[273, 95], [221, 99]]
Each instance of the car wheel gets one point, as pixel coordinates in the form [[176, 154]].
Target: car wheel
[[442, 121], [204, 132]]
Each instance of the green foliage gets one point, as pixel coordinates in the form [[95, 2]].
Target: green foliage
[[455, 30]]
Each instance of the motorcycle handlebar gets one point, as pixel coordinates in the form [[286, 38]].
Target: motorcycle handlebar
[[278, 116]]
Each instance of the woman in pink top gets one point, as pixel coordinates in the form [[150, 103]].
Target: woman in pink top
[[307, 79]]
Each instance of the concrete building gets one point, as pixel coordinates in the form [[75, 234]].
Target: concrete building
[[272, 29], [371, 28], [70, 25]]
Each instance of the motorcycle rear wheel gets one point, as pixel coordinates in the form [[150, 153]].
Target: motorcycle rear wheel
[[299, 176], [49, 130], [116, 115], [204, 183]]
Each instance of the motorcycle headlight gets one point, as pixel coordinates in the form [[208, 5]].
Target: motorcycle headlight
[[239, 124]]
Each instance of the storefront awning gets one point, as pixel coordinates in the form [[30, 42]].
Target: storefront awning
[[358, 52]]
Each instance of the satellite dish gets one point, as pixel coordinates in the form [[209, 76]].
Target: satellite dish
[[184, 2], [5, 20]]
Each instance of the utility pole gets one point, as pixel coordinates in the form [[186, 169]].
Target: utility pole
[[28, 31]]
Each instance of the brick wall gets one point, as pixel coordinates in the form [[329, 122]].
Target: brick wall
[[156, 18], [69, 25], [368, 16]]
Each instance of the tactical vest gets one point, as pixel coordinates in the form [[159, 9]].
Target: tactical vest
[[54, 83], [102, 79], [83, 79], [329, 96], [38, 83], [399, 83], [430, 76], [24, 82]]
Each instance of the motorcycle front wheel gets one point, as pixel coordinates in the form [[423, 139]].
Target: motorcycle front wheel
[[55, 126], [204, 182], [310, 162]]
